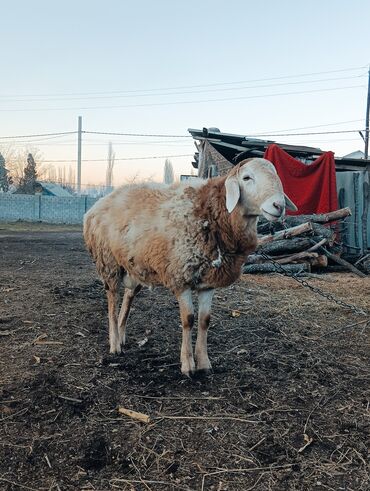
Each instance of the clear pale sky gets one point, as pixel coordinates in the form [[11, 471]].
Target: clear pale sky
[[51, 51]]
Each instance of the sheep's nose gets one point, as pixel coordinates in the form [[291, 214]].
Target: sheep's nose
[[278, 207]]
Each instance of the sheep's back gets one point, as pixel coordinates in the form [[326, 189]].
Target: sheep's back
[[149, 230]]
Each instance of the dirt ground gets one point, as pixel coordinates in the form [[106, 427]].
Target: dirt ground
[[287, 406]]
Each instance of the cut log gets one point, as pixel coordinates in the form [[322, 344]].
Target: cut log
[[255, 259], [285, 234], [271, 268], [319, 261], [283, 259], [317, 245], [331, 216], [286, 246], [304, 255], [342, 262], [267, 228], [318, 228], [264, 226], [325, 232]]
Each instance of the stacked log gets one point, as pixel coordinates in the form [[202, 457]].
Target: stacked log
[[299, 244]]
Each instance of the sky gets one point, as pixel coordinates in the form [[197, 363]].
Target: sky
[[161, 67]]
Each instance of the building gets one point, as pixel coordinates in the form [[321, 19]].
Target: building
[[217, 152], [51, 189]]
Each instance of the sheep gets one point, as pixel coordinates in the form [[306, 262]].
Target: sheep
[[185, 236]]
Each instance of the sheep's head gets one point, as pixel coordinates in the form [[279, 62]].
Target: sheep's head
[[256, 187]]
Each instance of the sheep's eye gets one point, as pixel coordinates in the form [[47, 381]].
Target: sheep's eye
[[247, 178]]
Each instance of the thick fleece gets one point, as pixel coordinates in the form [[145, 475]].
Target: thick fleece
[[179, 236]]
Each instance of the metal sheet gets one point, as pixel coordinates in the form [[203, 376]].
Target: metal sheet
[[350, 187]]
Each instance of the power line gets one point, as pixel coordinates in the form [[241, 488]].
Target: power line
[[176, 103], [136, 134], [311, 133], [222, 89], [102, 143], [39, 135], [125, 158], [152, 135], [95, 133], [319, 125], [330, 141], [194, 86], [190, 155]]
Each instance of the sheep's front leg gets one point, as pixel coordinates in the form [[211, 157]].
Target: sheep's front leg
[[204, 316], [187, 321]]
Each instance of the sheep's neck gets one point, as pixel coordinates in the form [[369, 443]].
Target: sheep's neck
[[232, 233]]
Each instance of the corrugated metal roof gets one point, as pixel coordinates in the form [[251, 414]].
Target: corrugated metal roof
[[55, 189], [245, 142], [229, 145]]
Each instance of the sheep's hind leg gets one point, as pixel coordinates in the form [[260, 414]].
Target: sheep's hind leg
[[187, 320], [204, 316], [128, 297], [112, 297], [112, 278]]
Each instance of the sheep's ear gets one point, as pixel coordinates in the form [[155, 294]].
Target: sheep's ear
[[232, 192], [289, 204]]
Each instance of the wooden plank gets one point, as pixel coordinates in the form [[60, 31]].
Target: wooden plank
[[342, 262], [287, 233]]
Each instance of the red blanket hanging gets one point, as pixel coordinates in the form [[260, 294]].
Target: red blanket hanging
[[311, 187]]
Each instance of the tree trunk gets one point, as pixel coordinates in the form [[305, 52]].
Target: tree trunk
[[342, 262], [285, 234], [332, 216], [286, 246], [271, 268]]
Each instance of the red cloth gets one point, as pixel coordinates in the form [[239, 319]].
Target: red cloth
[[312, 187]]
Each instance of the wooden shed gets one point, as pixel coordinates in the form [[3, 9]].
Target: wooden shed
[[217, 152]]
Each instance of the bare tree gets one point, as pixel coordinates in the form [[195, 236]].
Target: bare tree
[[27, 182], [168, 176], [110, 165], [16, 159], [69, 184], [61, 175], [52, 174], [71, 176], [5, 178]]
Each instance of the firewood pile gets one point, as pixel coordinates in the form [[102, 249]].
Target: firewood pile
[[300, 244]]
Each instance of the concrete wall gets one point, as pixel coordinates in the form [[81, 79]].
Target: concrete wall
[[38, 208]]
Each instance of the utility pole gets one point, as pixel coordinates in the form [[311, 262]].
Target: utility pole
[[79, 152], [367, 120]]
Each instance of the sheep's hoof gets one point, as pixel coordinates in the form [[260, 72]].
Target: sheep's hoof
[[188, 374], [122, 340], [115, 350], [188, 368], [204, 366], [202, 373]]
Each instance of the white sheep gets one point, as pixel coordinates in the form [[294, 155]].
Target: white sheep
[[186, 236]]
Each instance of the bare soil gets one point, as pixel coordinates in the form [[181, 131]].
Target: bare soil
[[287, 406]]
